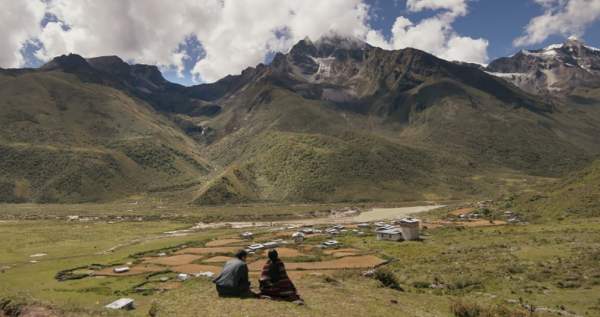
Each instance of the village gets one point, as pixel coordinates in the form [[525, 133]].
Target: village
[[143, 265], [308, 249]]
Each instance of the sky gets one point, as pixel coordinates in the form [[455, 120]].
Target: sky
[[196, 41]]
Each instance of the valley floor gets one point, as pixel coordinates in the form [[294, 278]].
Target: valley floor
[[551, 266]]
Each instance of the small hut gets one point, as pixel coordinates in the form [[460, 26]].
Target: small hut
[[247, 235], [409, 228], [298, 237], [390, 234]]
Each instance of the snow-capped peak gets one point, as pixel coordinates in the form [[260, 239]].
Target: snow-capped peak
[[592, 48], [553, 46], [554, 69]]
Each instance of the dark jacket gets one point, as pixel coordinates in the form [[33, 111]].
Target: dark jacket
[[233, 280]]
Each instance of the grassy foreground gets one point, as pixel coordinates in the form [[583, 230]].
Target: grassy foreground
[[551, 265]]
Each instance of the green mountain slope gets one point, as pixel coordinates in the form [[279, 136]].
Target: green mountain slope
[[439, 130], [63, 140], [576, 195], [332, 120]]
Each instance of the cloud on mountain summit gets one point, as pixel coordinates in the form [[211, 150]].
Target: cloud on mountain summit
[[560, 17], [435, 34], [230, 35]]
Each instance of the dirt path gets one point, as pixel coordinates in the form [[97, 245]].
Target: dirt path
[[375, 214], [391, 213]]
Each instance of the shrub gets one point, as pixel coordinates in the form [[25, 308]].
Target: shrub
[[387, 279], [153, 312], [421, 284], [461, 308], [569, 284], [465, 309], [464, 283]]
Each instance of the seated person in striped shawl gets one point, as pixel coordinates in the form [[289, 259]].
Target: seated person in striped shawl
[[274, 281]]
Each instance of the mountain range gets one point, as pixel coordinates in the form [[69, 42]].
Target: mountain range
[[570, 69], [331, 120]]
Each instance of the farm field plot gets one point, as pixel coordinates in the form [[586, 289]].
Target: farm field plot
[[549, 265]]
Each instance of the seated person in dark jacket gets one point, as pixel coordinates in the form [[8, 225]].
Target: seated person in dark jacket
[[233, 280], [274, 281]]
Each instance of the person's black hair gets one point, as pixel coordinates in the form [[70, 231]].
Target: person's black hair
[[274, 268], [241, 254], [273, 255]]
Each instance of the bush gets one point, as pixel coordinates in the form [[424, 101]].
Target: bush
[[464, 309], [153, 312], [461, 308], [464, 283], [387, 279], [421, 284]]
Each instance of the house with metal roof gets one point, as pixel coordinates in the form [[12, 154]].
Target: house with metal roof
[[389, 234]]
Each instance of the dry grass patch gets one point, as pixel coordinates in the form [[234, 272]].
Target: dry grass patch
[[135, 270], [174, 260], [222, 242], [208, 250], [289, 252], [218, 259], [196, 268]]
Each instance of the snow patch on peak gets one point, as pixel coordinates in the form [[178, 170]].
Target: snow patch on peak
[[553, 47], [324, 65], [592, 48], [540, 53]]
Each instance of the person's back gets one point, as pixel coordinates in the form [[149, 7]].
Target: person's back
[[274, 281], [233, 280]]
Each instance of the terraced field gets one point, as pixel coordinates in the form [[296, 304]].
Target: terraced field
[[551, 266]]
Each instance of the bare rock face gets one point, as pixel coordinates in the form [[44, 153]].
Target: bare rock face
[[558, 69]]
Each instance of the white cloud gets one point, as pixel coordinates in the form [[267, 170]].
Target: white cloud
[[234, 34], [245, 33], [435, 34], [456, 7], [144, 31], [19, 23], [562, 17]]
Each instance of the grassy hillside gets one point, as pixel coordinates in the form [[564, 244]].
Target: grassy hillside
[[551, 266], [577, 195], [280, 146], [63, 140], [490, 132], [382, 126]]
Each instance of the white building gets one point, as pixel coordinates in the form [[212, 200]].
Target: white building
[[409, 228], [298, 237], [271, 244], [391, 235], [247, 235], [256, 246], [123, 303], [121, 269], [332, 231], [384, 228], [331, 243], [307, 230]]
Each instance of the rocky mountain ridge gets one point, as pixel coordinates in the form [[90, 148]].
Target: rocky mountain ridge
[[558, 69], [331, 120]]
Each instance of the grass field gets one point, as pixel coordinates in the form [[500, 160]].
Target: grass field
[[552, 265]]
